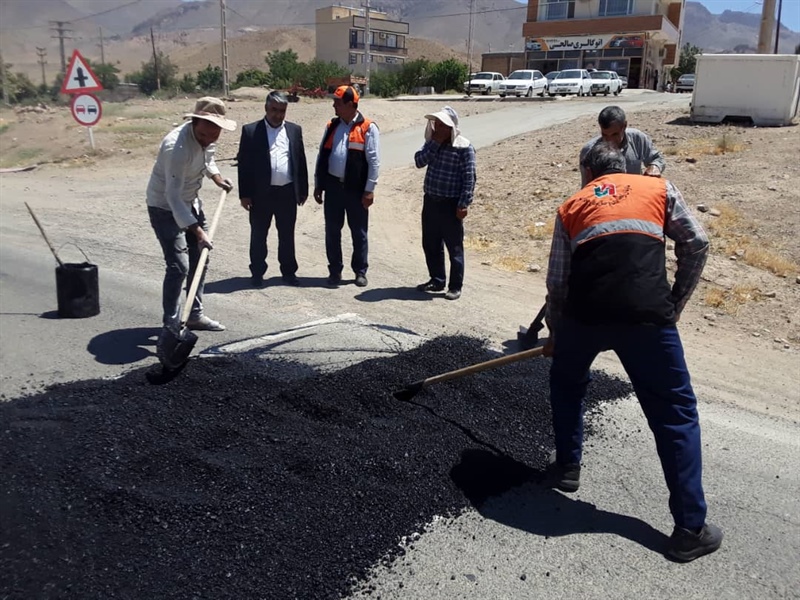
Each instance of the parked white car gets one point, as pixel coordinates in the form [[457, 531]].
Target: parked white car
[[685, 83], [571, 81], [605, 82], [524, 83], [485, 82]]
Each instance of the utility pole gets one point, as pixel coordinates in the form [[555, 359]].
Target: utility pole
[[767, 27], [3, 80], [60, 28], [42, 53], [102, 49], [778, 26], [367, 44], [469, 39], [224, 32], [155, 58]]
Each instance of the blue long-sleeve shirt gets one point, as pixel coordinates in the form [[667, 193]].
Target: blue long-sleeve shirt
[[451, 171]]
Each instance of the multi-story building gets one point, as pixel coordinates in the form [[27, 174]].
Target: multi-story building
[[340, 34], [636, 38]]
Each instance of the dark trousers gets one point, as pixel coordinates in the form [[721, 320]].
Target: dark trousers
[[339, 203], [181, 256], [281, 204], [442, 228], [653, 359]]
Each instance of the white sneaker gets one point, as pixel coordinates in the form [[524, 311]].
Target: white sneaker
[[205, 324]]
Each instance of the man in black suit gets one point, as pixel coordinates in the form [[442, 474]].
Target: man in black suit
[[273, 181]]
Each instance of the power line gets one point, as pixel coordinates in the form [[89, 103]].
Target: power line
[[97, 14], [62, 31], [42, 54]]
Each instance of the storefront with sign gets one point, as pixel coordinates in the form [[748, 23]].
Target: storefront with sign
[[621, 53]]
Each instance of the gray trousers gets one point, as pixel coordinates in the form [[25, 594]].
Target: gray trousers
[[181, 256]]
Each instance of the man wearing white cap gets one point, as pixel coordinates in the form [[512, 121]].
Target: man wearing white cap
[[448, 190], [176, 213]]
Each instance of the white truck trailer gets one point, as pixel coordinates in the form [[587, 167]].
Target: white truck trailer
[[764, 88]]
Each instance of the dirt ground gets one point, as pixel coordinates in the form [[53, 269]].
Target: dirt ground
[[751, 284], [132, 130], [741, 181]]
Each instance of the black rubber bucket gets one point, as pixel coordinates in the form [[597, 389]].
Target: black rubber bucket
[[78, 290]]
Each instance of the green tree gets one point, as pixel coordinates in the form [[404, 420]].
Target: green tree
[[448, 74], [384, 84], [284, 68], [316, 73], [188, 84], [107, 74], [210, 79], [19, 86], [145, 78], [415, 73], [251, 78], [688, 60]]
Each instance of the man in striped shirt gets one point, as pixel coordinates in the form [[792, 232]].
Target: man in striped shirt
[[608, 290], [448, 190]]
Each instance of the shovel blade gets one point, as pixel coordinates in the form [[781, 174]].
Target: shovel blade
[[174, 349]]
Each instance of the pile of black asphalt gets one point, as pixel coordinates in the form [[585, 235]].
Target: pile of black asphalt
[[245, 478]]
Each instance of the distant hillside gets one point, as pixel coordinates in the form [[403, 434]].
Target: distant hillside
[[189, 31], [724, 32]]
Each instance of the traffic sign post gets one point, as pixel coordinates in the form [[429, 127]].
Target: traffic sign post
[[80, 78], [86, 109]]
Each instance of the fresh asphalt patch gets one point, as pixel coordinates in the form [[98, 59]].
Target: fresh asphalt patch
[[234, 480]]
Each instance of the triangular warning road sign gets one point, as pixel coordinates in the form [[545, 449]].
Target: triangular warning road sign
[[80, 78]]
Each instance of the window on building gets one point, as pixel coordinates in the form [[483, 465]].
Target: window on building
[[391, 40], [556, 10], [615, 8], [353, 38], [352, 59], [620, 66]]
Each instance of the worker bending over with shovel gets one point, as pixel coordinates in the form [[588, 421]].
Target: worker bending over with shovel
[[176, 213], [608, 290]]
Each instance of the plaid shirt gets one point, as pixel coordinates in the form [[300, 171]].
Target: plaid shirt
[[691, 250], [451, 171]]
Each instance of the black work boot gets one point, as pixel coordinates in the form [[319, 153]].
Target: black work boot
[[686, 545], [566, 478]]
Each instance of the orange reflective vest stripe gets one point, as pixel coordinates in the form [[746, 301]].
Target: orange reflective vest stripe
[[617, 203], [356, 140]]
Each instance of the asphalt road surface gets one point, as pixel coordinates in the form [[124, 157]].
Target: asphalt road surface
[[603, 543]]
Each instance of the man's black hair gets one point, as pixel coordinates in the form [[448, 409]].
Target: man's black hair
[[603, 159], [277, 97], [611, 115]]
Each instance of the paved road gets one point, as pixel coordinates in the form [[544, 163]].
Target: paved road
[[601, 544]]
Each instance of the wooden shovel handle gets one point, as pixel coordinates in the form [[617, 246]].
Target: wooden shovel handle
[[201, 263], [44, 235], [489, 364]]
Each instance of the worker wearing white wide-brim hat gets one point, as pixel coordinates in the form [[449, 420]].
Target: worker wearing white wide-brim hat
[[448, 191], [176, 213]]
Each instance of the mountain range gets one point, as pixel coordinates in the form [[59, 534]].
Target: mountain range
[[186, 28]]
